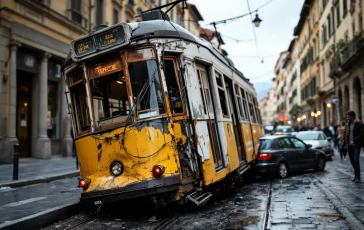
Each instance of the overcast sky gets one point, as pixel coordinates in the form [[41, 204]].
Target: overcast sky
[[274, 34]]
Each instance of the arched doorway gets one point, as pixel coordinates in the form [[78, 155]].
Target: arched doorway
[[357, 98], [341, 105], [346, 105]]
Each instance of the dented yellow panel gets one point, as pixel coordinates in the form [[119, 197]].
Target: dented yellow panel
[[208, 166], [144, 146], [232, 149], [257, 133], [248, 142]]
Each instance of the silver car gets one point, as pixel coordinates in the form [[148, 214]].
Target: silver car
[[318, 140]]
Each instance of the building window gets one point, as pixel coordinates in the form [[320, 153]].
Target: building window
[[139, 11], [338, 19], [76, 15], [99, 12], [333, 19], [329, 25], [131, 2], [115, 16], [160, 2], [52, 112], [172, 15], [345, 8], [360, 22]]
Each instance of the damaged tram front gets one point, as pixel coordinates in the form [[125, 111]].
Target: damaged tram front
[[153, 116]]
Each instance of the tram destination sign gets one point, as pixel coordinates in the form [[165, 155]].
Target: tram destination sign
[[100, 41], [85, 46], [110, 38]]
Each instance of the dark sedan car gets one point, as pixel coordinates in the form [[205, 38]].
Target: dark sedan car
[[280, 155]]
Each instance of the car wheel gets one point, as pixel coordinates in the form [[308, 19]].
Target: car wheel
[[282, 170], [321, 163]]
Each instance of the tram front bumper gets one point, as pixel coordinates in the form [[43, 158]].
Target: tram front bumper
[[135, 190]]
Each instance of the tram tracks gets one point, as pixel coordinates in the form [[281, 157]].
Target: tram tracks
[[84, 221], [267, 207]]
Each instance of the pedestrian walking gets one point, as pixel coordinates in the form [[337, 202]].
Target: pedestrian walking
[[354, 141], [340, 138]]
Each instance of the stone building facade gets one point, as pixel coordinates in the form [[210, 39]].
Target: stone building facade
[[34, 42], [329, 39]]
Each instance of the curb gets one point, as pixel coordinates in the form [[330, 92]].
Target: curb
[[41, 179], [353, 221], [43, 218]]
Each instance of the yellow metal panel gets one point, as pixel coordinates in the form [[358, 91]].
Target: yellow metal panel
[[232, 149], [248, 141], [256, 136], [142, 149]]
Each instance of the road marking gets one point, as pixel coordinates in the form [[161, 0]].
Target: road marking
[[15, 204]]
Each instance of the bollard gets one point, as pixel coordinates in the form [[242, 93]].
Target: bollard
[[16, 162]]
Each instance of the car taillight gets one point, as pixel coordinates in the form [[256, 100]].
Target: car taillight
[[84, 182], [264, 156], [158, 170]]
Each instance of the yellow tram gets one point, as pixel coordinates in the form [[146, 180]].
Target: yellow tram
[[157, 112]]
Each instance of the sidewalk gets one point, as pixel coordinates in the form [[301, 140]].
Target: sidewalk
[[33, 206], [33, 171]]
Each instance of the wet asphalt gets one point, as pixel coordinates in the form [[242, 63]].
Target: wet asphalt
[[309, 200]]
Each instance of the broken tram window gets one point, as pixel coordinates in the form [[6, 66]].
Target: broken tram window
[[146, 88]]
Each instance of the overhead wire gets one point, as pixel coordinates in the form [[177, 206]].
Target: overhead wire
[[255, 35]]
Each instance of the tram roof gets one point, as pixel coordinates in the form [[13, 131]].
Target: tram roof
[[167, 29]]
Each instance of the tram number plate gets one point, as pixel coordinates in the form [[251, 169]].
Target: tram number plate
[[110, 38], [98, 202]]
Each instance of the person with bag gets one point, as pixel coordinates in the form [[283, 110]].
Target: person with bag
[[354, 141], [340, 138]]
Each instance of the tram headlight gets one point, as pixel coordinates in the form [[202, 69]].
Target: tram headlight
[[116, 168]]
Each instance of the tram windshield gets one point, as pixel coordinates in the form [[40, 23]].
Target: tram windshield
[[110, 98], [147, 89]]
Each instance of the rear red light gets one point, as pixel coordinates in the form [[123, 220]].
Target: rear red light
[[158, 170], [264, 156], [84, 182]]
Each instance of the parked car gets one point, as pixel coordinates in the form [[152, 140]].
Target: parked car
[[318, 140], [284, 130], [280, 155]]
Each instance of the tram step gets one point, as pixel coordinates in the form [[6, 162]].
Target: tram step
[[243, 168], [199, 198]]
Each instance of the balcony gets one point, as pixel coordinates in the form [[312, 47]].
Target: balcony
[[335, 65], [352, 51]]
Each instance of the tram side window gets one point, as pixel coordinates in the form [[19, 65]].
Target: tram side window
[[251, 109], [205, 92], [79, 102], [240, 105], [245, 104], [110, 98], [147, 89], [257, 111], [222, 95], [174, 93]]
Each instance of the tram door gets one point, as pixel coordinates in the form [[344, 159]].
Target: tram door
[[235, 118], [208, 110]]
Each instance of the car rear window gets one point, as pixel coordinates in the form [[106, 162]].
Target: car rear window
[[263, 144]]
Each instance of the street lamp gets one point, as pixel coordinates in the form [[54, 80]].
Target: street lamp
[[257, 21]]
